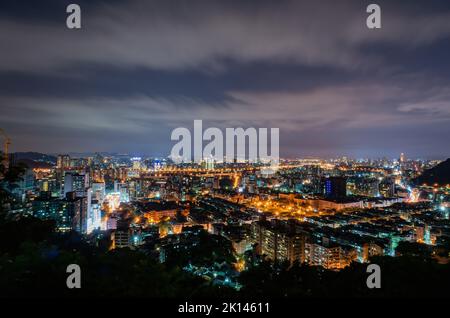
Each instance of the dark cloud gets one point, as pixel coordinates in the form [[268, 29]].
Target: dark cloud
[[138, 69]]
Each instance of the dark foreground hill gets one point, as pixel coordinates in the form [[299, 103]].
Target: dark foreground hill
[[439, 174]]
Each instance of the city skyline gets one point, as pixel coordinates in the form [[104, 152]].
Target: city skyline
[[141, 156], [135, 72], [219, 156]]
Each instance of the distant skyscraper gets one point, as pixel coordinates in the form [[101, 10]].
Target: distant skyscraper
[[137, 163], [208, 163], [63, 162]]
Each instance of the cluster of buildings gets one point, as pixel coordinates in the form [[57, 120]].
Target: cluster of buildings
[[325, 213]]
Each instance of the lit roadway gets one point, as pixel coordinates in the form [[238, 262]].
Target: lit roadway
[[198, 172]]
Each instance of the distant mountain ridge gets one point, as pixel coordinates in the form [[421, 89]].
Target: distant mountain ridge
[[34, 156], [439, 174]]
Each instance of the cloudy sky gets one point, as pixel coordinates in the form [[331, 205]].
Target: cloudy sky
[[138, 69]]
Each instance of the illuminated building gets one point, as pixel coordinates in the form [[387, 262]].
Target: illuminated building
[[69, 213], [123, 190], [369, 187], [137, 163], [134, 190], [43, 185], [329, 256], [387, 188], [332, 204], [99, 191], [94, 217], [63, 162], [78, 209], [249, 184], [75, 182], [423, 235], [371, 249], [24, 185], [111, 223], [121, 238], [237, 234], [157, 211], [207, 163], [278, 242], [240, 246], [335, 187], [46, 207]]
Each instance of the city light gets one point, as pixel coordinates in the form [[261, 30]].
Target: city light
[[210, 152]]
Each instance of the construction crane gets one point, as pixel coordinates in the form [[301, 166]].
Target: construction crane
[[6, 144]]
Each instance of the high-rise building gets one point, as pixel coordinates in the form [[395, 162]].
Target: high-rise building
[[50, 208], [75, 182], [99, 191], [278, 241], [208, 163], [94, 217], [369, 187], [329, 257], [137, 163], [387, 188], [63, 162], [123, 190], [69, 213], [78, 209], [24, 185], [335, 187], [121, 238]]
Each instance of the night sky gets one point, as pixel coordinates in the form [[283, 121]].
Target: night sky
[[138, 69]]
